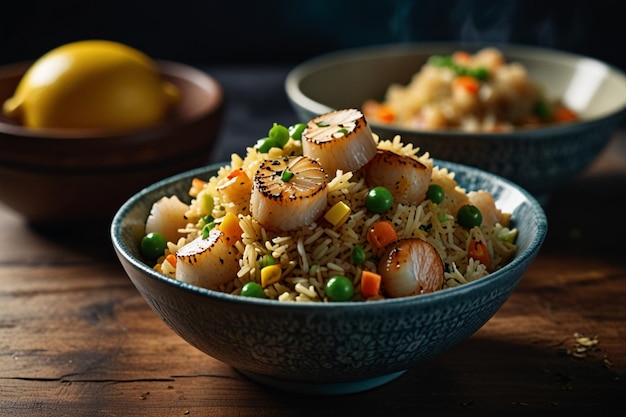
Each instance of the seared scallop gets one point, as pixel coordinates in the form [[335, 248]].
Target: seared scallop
[[406, 178], [340, 140], [410, 267], [288, 193], [209, 262], [167, 217]]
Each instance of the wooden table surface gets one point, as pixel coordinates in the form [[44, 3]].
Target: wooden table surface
[[77, 339]]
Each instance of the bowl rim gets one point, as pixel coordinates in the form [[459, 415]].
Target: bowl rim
[[167, 68], [297, 73], [528, 255]]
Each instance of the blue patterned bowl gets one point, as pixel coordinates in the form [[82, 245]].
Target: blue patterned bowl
[[539, 160], [327, 348]]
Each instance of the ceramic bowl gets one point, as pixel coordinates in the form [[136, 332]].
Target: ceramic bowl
[[539, 160], [326, 348], [69, 175]]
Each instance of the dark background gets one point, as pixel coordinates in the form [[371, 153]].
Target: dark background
[[289, 31], [249, 46]]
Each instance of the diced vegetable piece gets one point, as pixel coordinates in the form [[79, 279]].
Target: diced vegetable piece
[[370, 284], [286, 175], [543, 110], [467, 83], [171, 258], [480, 73], [385, 114], [338, 214], [507, 235], [230, 227], [270, 275], [563, 114], [478, 250], [206, 229], [461, 57], [381, 233], [208, 204], [197, 185]]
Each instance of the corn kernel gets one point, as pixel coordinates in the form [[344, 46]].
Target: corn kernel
[[270, 275], [338, 214]]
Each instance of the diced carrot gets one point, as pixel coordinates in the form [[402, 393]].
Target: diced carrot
[[171, 259], [478, 251], [563, 114], [381, 233], [198, 183], [461, 56], [236, 173], [467, 83], [370, 283], [230, 227], [196, 186], [385, 114]]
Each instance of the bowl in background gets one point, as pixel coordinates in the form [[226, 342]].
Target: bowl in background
[[326, 348], [73, 175], [540, 160]]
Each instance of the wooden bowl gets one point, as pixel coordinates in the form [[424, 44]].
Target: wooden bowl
[[69, 175]]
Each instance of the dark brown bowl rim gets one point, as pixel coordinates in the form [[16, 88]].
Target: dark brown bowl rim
[[169, 69]]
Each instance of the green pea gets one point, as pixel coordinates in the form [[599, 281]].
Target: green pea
[[435, 193], [469, 216], [265, 144], [480, 73], [153, 246], [378, 200], [339, 288], [542, 109], [441, 61], [295, 131], [267, 260], [252, 289], [358, 255], [280, 134]]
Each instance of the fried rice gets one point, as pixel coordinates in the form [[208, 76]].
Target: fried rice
[[310, 256]]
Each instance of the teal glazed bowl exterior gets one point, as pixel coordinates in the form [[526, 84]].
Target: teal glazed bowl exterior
[[540, 160], [326, 348]]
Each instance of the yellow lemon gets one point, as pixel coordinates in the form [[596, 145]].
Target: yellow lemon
[[93, 84]]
